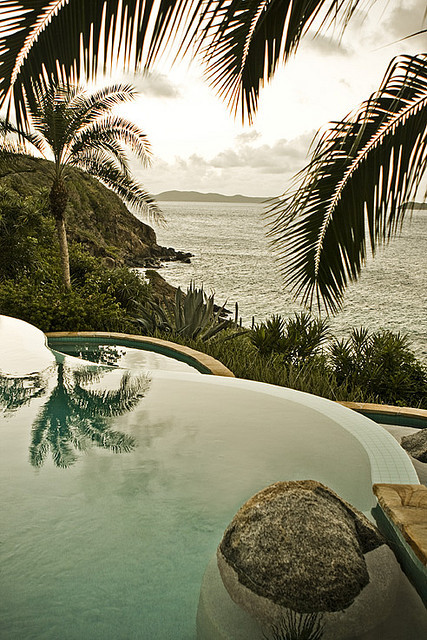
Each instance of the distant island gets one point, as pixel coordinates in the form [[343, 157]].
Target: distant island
[[195, 196]]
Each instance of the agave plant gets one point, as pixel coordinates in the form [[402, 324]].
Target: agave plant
[[192, 315]]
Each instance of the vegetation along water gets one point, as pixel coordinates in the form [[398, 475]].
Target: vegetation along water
[[232, 257]]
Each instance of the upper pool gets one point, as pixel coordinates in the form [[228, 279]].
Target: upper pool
[[116, 487]]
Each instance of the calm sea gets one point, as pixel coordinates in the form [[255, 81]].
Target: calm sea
[[233, 259]]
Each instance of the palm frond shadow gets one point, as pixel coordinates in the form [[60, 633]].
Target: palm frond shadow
[[18, 392]]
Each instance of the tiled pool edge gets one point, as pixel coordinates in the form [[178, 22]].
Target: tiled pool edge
[[201, 361], [390, 414]]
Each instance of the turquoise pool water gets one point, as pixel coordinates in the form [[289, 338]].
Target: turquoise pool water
[[115, 488], [127, 354]]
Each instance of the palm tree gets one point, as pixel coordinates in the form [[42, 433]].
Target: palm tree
[[319, 226], [79, 130]]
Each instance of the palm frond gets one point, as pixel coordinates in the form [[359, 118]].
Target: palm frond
[[22, 137], [61, 40], [101, 166], [244, 42], [111, 130], [361, 172]]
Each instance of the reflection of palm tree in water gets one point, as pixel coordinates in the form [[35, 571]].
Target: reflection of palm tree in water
[[74, 418]]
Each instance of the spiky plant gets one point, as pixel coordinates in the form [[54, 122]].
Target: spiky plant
[[297, 338], [192, 315]]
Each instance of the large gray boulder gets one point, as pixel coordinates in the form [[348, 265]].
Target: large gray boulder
[[416, 445], [297, 545]]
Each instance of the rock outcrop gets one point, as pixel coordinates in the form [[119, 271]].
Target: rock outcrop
[[297, 545], [416, 445]]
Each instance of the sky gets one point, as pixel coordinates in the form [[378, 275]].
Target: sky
[[199, 145]]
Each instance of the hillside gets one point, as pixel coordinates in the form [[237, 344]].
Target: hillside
[[96, 217], [195, 196]]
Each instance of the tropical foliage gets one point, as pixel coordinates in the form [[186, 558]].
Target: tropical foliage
[[192, 315], [366, 165], [30, 278], [381, 363], [297, 339], [362, 171], [367, 367], [79, 131]]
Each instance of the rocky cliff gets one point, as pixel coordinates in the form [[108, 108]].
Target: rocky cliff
[[96, 217]]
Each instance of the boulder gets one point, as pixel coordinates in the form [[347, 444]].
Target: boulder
[[416, 445], [296, 545]]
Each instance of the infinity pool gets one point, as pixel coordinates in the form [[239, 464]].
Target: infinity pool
[[116, 487]]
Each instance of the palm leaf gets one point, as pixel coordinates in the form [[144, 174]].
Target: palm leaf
[[110, 130], [243, 42], [90, 36], [100, 165], [362, 171]]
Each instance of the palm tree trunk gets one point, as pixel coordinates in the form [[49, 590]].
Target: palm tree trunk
[[58, 201], [63, 252]]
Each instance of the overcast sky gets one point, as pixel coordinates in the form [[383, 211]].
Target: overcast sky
[[199, 145]]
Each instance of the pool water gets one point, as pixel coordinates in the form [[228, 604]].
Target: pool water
[[120, 355], [116, 487]]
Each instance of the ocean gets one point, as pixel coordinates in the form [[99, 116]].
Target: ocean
[[232, 258]]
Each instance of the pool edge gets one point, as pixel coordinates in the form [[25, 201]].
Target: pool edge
[[205, 363]]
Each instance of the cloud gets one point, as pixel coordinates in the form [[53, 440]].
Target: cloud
[[156, 85], [277, 158], [326, 45], [407, 18], [246, 167]]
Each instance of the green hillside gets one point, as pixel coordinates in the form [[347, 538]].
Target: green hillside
[[96, 217]]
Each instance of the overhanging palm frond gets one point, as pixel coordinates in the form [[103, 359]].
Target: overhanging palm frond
[[85, 35], [243, 42], [361, 173]]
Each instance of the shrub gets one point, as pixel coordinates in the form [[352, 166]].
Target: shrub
[[192, 315], [296, 338], [26, 236], [382, 364], [49, 308]]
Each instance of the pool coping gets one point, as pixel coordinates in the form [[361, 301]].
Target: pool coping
[[390, 414], [206, 363]]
